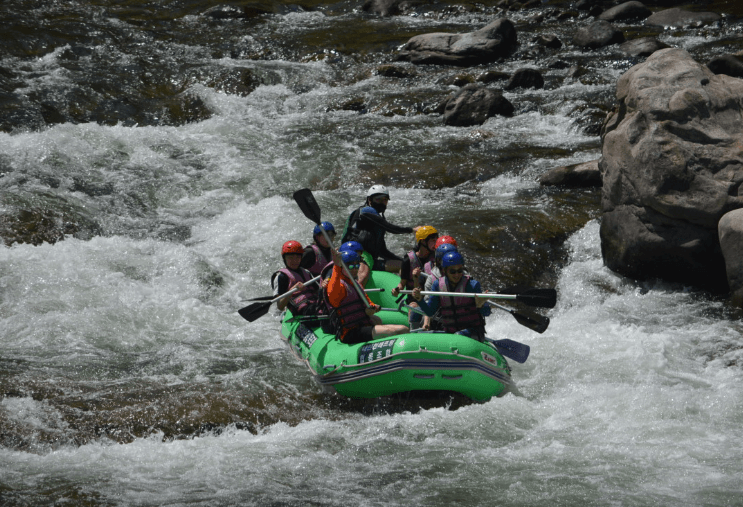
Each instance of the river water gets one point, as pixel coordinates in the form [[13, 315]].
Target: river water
[[165, 144]]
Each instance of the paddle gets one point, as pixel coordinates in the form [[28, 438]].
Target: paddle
[[542, 298], [534, 322], [307, 203], [258, 310], [267, 298], [519, 352]]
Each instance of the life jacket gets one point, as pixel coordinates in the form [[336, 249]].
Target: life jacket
[[320, 261], [416, 262], [350, 314], [458, 313], [302, 302]]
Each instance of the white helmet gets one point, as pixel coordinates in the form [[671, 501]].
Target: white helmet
[[377, 190]]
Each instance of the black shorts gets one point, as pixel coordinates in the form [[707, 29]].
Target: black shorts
[[359, 335], [380, 265]]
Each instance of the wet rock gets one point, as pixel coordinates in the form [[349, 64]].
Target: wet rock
[[394, 71], [661, 205], [582, 175], [492, 76], [247, 11], [548, 41], [626, 11], [645, 46], [730, 231], [525, 78], [494, 41], [383, 8], [473, 105], [576, 72], [730, 65], [597, 35], [679, 18]]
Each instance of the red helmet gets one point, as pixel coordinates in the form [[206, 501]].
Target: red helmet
[[446, 240], [292, 247]]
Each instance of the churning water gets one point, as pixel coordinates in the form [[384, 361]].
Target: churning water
[[128, 378]]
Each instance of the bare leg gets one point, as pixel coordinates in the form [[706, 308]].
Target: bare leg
[[393, 266], [384, 330]]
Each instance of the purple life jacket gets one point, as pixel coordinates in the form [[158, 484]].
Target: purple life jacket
[[458, 313], [320, 261], [303, 300], [415, 262]]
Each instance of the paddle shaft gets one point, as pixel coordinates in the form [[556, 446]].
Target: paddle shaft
[[292, 291], [483, 295]]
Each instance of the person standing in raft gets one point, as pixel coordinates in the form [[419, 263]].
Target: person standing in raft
[[461, 315], [368, 226], [416, 266], [305, 300], [352, 320], [317, 255]]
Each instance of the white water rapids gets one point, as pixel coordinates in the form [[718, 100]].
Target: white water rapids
[[632, 397]]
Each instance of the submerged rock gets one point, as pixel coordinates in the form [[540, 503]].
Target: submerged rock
[[494, 41], [672, 166]]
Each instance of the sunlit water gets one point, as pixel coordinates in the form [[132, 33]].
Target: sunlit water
[[129, 379]]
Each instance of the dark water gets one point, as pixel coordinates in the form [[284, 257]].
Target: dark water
[[148, 152]]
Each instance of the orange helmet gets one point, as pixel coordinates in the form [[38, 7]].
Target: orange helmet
[[292, 247], [446, 240]]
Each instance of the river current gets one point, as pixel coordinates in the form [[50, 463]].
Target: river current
[[127, 376]]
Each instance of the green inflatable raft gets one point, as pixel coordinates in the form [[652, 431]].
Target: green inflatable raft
[[419, 361]]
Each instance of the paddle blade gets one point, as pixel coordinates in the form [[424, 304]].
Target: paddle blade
[[519, 352], [534, 322], [542, 298], [307, 203], [262, 298], [254, 311]]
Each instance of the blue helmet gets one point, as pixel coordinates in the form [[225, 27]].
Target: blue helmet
[[350, 257], [325, 225], [369, 209], [452, 259], [353, 246], [443, 249]]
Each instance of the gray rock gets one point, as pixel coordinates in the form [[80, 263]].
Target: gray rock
[[679, 18], [525, 78], [626, 11], [730, 230], [597, 35], [582, 175], [496, 40], [645, 46], [672, 166], [473, 105]]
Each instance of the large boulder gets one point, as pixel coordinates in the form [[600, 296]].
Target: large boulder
[[672, 166], [730, 231], [486, 45]]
